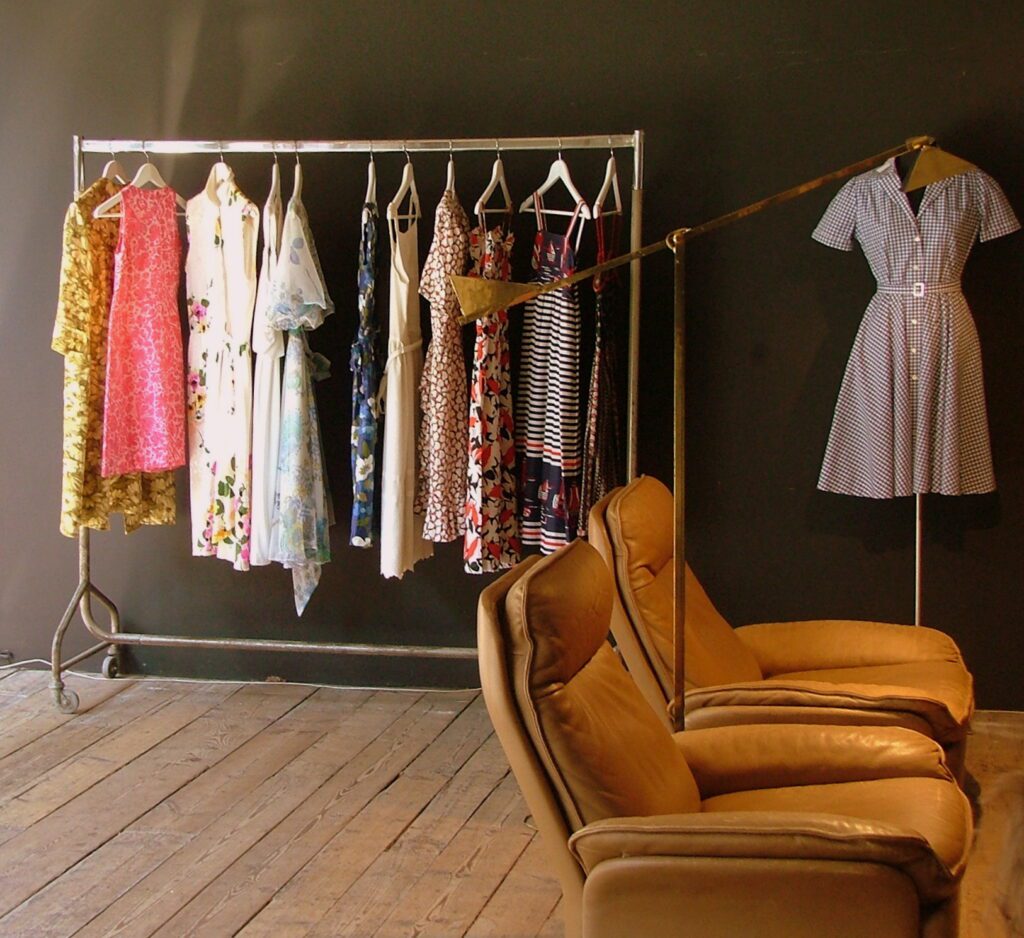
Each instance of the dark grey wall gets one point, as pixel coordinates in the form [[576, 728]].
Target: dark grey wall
[[739, 100]]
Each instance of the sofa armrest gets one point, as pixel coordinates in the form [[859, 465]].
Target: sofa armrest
[[947, 721], [741, 758], [781, 647], [767, 835]]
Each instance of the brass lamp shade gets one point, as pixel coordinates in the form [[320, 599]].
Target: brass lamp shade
[[933, 164]]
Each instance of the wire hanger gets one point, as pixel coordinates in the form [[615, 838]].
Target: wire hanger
[[559, 172], [450, 184], [115, 171], [497, 181], [147, 174], [610, 184], [407, 186]]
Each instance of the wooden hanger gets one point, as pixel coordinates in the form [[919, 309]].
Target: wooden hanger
[[147, 175], [559, 172], [497, 182], [610, 184], [407, 187]]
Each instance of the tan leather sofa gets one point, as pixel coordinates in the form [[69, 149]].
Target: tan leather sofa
[[821, 671], [787, 831]]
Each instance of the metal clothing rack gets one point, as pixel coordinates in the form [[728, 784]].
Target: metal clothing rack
[[113, 639]]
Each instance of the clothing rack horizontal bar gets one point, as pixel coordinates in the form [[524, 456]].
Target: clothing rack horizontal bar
[[461, 144]]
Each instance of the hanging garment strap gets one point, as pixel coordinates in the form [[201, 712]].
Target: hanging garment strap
[[538, 208]]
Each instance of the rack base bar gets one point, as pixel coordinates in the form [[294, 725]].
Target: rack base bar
[[273, 644]]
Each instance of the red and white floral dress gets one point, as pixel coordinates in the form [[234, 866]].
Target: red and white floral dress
[[144, 406], [492, 525]]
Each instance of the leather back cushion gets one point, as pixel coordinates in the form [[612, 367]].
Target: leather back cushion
[[639, 523], [605, 751]]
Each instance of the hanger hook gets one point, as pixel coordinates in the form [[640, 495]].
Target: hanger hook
[[220, 149], [273, 149], [371, 151], [451, 150], [611, 149], [559, 147], [497, 149], [295, 146], [145, 152]]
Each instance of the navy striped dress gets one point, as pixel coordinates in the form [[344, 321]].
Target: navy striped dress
[[548, 405]]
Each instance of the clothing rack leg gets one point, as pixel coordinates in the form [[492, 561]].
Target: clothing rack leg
[[677, 710], [918, 530]]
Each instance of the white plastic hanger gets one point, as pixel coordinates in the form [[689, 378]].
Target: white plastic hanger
[[407, 187], [147, 174], [497, 181], [450, 184], [611, 183], [297, 182], [115, 171], [371, 185], [559, 172]]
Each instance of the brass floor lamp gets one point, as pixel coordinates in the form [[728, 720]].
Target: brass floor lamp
[[479, 297]]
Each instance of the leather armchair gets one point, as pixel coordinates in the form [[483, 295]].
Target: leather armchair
[[787, 831], [820, 671]]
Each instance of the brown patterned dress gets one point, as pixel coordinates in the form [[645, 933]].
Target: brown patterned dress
[[80, 335], [444, 439]]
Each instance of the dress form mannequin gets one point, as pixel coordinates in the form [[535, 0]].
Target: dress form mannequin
[[904, 164]]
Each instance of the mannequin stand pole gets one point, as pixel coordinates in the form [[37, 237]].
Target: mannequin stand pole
[[918, 527]]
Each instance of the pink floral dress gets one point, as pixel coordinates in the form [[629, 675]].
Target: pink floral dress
[[492, 525], [144, 405]]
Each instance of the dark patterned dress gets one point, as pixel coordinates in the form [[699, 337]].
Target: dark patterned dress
[[911, 417], [602, 439], [492, 525], [366, 367], [548, 406]]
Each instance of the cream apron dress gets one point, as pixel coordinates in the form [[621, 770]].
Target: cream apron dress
[[401, 530]]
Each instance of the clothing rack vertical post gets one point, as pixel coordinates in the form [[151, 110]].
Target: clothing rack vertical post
[[113, 638]]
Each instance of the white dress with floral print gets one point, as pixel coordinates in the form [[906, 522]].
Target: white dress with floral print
[[220, 277], [268, 344]]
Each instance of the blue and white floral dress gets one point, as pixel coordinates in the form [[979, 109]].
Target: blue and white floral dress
[[299, 537]]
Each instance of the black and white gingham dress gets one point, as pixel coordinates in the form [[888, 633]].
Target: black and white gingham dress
[[910, 417]]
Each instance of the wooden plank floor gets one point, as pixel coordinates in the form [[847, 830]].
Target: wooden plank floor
[[170, 809]]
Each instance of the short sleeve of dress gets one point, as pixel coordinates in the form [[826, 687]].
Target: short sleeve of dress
[[838, 225], [996, 215], [298, 296], [71, 325]]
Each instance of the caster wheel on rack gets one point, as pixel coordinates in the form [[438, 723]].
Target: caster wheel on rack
[[109, 667], [66, 700]]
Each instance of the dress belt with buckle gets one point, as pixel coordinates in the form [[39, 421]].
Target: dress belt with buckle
[[919, 288]]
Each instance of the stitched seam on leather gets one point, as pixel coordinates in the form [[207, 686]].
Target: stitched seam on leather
[[624, 588], [880, 838]]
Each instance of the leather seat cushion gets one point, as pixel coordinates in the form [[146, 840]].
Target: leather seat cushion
[[931, 807], [947, 683]]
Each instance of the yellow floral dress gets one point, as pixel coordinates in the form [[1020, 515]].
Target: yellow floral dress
[[80, 335]]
